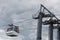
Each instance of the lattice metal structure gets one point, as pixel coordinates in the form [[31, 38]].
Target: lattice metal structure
[[49, 22]]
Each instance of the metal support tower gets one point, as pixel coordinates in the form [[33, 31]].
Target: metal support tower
[[58, 31], [40, 16], [51, 31], [50, 23], [39, 28], [58, 34], [51, 27]]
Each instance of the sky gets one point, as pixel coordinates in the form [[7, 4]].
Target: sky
[[19, 12]]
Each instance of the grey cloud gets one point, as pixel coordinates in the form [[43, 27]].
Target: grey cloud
[[14, 10]]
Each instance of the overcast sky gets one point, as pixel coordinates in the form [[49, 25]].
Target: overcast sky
[[19, 12]]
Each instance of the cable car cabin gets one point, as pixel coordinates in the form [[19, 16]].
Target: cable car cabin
[[12, 30]]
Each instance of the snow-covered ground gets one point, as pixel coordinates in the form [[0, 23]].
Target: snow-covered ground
[[19, 12]]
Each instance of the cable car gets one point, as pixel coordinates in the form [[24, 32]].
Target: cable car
[[12, 31]]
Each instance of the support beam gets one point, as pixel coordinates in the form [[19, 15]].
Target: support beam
[[58, 34], [39, 28], [51, 32]]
